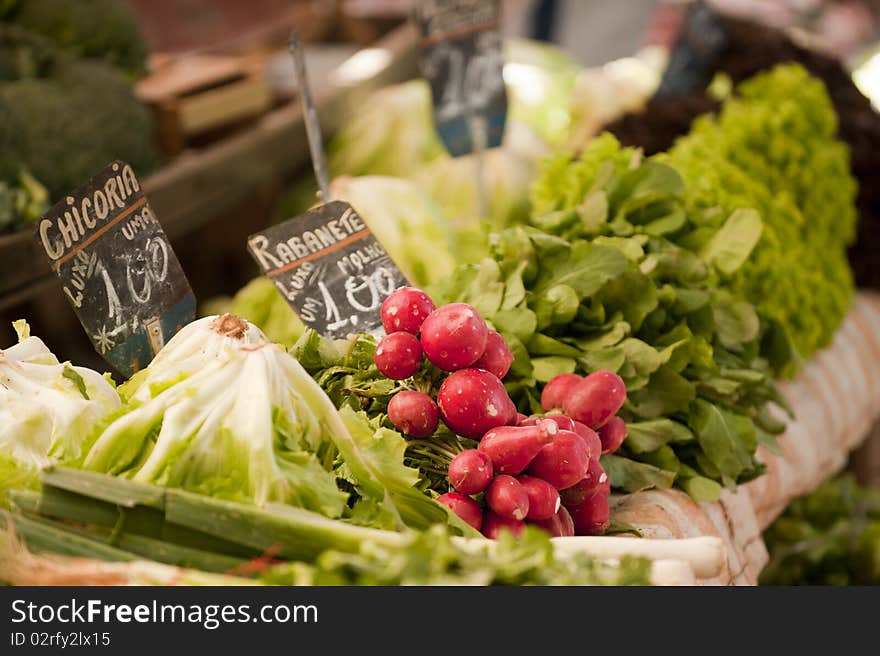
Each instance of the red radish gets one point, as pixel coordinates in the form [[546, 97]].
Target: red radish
[[465, 507], [591, 439], [406, 309], [494, 525], [564, 423], [497, 357], [511, 413], [559, 525], [591, 517], [398, 355], [563, 462], [507, 497], [556, 389], [454, 336], [473, 401], [544, 499], [470, 471], [520, 419], [595, 399], [595, 482], [512, 448], [414, 413], [612, 434]]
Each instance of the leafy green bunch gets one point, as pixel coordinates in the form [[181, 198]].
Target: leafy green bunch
[[598, 283], [774, 147]]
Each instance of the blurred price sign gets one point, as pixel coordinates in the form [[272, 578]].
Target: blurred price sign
[[330, 269], [117, 268], [694, 57], [462, 60]]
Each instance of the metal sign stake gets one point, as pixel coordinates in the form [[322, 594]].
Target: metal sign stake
[[313, 126]]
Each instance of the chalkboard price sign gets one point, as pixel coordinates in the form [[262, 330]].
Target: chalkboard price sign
[[694, 56], [462, 60], [117, 268], [329, 268]]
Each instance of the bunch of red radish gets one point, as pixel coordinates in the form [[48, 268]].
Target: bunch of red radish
[[456, 339], [545, 470], [541, 470]]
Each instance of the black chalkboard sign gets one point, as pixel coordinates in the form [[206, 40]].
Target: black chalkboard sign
[[329, 268], [462, 60], [117, 268], [694, 57]]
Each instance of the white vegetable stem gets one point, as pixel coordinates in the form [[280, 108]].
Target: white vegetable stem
[[672, 572], [705, 554]]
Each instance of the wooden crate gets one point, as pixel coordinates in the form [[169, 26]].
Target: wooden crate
[[196, 95]]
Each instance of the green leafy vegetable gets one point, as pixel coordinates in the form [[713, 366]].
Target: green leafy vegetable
[[829, 537], [773, 150]]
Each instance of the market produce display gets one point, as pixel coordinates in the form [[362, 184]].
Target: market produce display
[[617, 321], [830, 537], [688, 282]]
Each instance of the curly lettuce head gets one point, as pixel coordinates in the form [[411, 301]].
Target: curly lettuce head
[[774, 147]]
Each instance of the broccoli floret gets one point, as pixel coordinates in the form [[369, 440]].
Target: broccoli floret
[[100, 29], [24, 54], [68, 121]]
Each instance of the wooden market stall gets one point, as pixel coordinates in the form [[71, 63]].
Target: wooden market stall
[[235, 144]]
